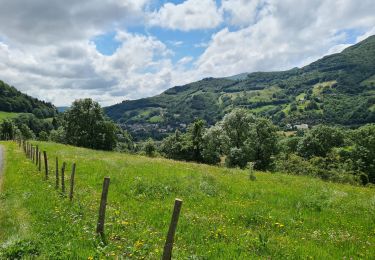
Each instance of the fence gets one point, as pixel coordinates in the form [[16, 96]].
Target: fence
[[34, 153]]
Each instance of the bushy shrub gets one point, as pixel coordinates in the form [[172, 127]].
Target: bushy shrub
[[58, 135], [149, 148]]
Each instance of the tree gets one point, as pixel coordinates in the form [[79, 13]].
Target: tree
[[236, 127], [319, 141], [124, 141], [43, 136], [264, 142], [86, 126], [149, 148], [248, 139], [58, 135], [178, 146], [364, 150], [212, 142], [196, 131], [8, 130], [26, 132]]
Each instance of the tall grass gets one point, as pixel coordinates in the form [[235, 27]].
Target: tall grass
[[224, 215]]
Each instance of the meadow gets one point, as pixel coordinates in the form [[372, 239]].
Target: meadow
[[225, 215], [7, 115]]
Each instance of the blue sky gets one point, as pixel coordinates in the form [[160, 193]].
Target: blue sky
[[128, 49]]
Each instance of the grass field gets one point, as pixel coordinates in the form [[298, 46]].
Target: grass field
[[224, 214], [6, 115]]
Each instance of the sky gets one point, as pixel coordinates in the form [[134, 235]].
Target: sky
[[115, 50]]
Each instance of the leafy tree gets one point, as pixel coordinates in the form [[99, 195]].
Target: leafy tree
[[177, 146], [248, 139], [195, 133], [319, 141], [58, 135], [43, 136], [212, 142], [236, 127], [264, 142], [8, 130], [86, 126], [364, 150], [26, 132], [149, 148], [237, 157], [124, 141]]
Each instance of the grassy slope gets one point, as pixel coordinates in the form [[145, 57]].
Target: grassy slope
[[6, 115], [224, 215]]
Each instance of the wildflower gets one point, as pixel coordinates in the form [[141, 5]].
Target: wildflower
[[277, 224], [138, 243], [124, 223], [90, 258]]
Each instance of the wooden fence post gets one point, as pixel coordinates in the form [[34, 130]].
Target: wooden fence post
[[167, 254], [45, 164], [40, 161], [102, 208], [72, 182], [32, 153], [57, 172], [63, 177], [36, 155]]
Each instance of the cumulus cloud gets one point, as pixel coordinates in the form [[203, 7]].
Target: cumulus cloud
[[43, 22], [47, 51], [60, 73], [189, 15], [284, 34], [242, 12]]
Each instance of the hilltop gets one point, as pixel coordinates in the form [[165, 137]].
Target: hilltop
[[12, 100], [337, 89]]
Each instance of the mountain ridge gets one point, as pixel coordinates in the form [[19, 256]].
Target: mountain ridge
[[336, 89]]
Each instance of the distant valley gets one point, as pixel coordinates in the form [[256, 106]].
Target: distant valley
[[337, 89]]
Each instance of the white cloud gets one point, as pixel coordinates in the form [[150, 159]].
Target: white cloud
[[61, 73], [242, 12], [46, 22], [189, 15], [46, 51], [285, 34]]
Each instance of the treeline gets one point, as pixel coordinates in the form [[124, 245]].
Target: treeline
[[244, 141], [83, 125], [12, 100], [240, 139]]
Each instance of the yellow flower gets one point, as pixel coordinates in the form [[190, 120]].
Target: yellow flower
[[90, 258], [138, 244], [124, 223]]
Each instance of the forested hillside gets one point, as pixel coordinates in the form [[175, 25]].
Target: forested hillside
[[337, 89], [12, 100]]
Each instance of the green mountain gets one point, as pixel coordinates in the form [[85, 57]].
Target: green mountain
[[337, 89], [12, 100]]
